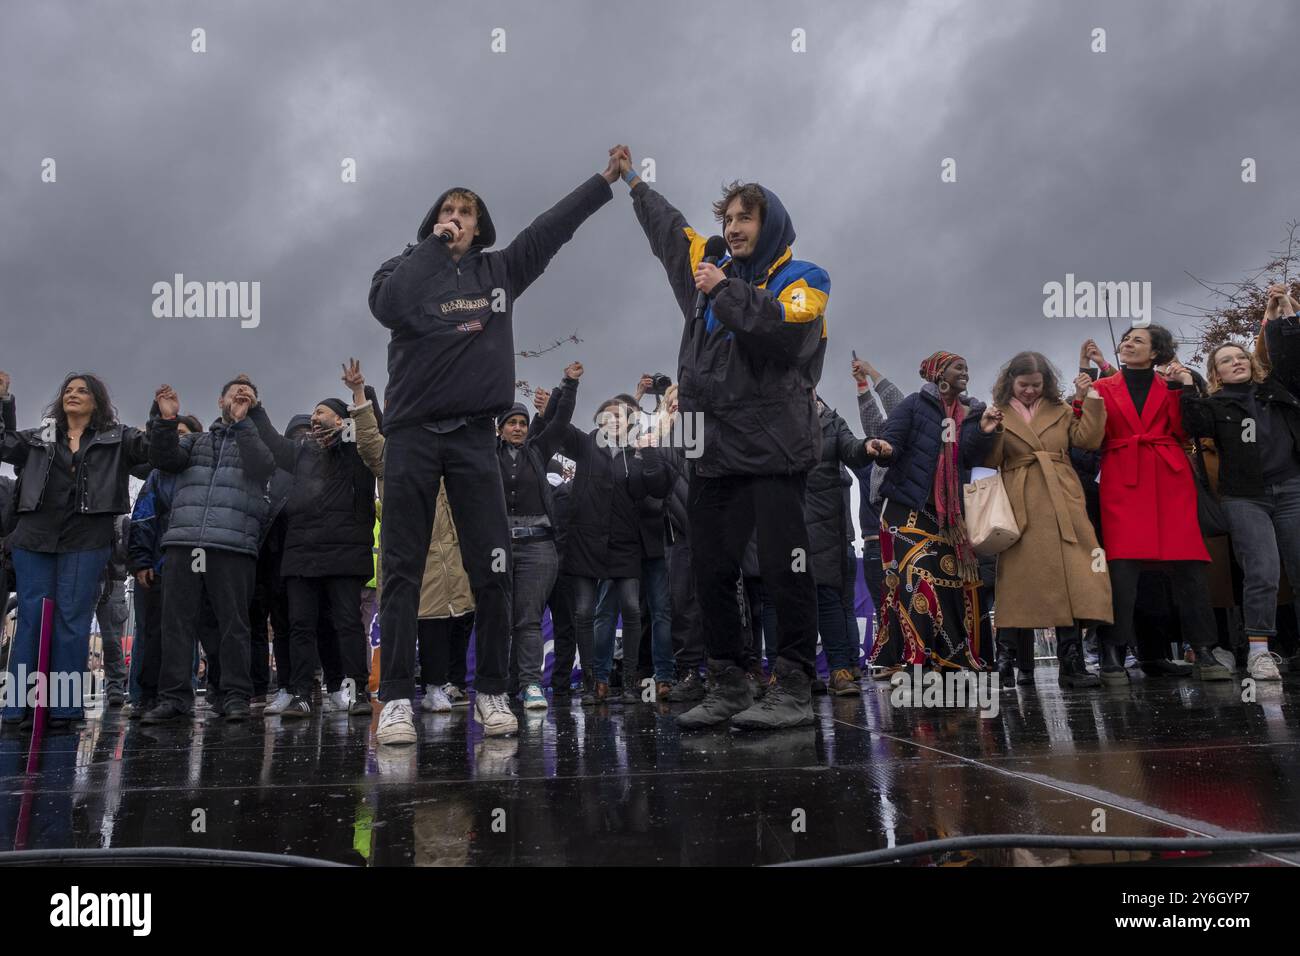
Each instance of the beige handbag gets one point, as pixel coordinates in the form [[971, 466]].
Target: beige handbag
[[990, 522]]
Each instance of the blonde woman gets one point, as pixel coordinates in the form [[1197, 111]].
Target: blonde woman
[[1255, 423]]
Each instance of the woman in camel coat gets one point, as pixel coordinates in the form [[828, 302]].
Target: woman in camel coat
[[1054, 575]]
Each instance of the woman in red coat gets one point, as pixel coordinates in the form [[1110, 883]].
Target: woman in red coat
[[1148, 498]]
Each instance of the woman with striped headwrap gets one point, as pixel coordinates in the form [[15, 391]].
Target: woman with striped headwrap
[[931, 612]]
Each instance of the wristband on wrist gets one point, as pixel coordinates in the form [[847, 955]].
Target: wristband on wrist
[[629, 176]]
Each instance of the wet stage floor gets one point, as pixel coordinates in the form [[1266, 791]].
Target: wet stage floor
[[620, 785]]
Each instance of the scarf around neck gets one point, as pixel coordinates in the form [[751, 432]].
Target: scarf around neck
[[948, 491]]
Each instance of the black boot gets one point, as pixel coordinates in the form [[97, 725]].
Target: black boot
[[1112, 664], [1069, 651], [1005, 641], [728, 694], [1025, 655]]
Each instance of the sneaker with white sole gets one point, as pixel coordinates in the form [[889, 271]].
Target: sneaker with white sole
[[336, 703], [533, 698], [493, 712], [396, 725], [1226, 658], [279, 702], [457, 696], [435, 700], [1263, 667]]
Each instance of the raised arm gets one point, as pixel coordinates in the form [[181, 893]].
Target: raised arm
[[673, 242], [283, 452], [550, 438], [529, 252]]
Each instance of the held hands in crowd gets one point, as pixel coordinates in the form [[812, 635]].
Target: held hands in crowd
[[540, 397], [1091, 353], [991, 420], [1082, 386], [1175, 371], [1279, 302], [879, 448], [573, 370], [169, 403], [620, 161]]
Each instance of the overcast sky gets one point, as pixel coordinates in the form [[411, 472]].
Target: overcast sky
[[225, 166]]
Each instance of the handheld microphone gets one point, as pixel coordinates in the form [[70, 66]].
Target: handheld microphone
[[714, 250], [444, 238]]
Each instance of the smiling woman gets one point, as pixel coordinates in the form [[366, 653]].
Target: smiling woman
[[76, 469]]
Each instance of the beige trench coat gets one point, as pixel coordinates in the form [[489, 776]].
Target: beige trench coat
[[1054, 575]]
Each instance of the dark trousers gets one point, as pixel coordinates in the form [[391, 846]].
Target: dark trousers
[[562, 633], [309, 600], [723, 512], [415, 459], [444, 642], [688, 630], [1191, 598], [584, 624], [280, 631], [149, 637], [227, 582], [874, 574]]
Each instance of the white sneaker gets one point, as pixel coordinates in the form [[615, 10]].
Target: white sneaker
[[1263, 667], [533, 698], [279, 702], [457, 696], [435, 700], [493, 712], [1226, 658], [336, 703], [396, 725]]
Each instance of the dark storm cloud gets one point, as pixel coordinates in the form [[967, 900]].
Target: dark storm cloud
[[225, 166]]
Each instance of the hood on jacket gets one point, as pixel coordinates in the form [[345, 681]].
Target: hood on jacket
[[774, 237], [487, 233], [298, 421]]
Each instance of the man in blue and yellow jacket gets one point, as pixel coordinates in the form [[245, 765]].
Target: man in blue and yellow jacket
[[748, 369]]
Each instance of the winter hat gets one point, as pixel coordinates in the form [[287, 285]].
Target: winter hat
[[335, 405], [518, 408], [487, 233]]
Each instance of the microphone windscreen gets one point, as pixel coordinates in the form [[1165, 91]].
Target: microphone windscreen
[[715, 248]]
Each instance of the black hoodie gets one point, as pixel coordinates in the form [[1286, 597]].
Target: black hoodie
[[452, 352]]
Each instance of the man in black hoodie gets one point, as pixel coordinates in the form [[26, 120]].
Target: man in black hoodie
[[750, 359], [448, 304]]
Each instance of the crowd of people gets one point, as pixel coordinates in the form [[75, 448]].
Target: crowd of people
[[449, 510]]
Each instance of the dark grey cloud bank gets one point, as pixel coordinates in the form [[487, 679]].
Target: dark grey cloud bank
[[225, 166]]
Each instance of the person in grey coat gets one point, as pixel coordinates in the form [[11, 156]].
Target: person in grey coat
[[218, 511]]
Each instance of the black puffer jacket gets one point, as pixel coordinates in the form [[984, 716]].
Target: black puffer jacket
[[827, 507], [603, 534], [331, 509], [220, 494]]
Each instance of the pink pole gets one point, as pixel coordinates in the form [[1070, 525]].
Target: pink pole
[[38, 725]]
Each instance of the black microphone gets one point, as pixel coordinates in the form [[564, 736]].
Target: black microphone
[[444, 238], [714, 250]]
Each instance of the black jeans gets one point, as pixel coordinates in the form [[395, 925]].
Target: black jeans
[[562, 633], [444, 642], [466, 460], [723, 512], [1191, 593], [227, 582], [148, 636], [583, 607], [688, 630], [307, 604]]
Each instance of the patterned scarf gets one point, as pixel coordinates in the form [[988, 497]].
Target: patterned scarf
[[947, 473]]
